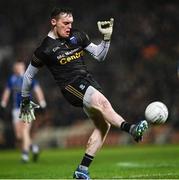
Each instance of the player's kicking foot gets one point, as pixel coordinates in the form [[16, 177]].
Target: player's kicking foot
[[138, 130], [81, 174]]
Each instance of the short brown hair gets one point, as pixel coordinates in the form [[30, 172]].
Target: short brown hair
[[57, 11]]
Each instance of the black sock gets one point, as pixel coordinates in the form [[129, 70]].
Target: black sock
[[25, 152], [86, 161], [125, 126]]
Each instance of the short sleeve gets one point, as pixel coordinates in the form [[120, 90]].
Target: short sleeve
[[9, 83], [37, 58]]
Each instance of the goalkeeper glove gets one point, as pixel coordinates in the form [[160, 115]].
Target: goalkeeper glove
[[27, 110], [106, 28]]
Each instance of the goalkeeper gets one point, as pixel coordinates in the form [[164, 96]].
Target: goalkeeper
[[62, 52]]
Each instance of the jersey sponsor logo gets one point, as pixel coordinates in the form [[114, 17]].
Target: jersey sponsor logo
[[73, 57], [67, 53]]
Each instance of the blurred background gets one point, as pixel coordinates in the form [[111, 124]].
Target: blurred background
[[141, 66]]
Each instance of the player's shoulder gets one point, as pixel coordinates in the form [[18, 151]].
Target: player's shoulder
[[45, 45], [46, 42], [12, 79], [79, 37], [74, 30], [77, 32]]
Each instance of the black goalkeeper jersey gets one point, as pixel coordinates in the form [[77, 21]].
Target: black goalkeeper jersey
[[63, 57]]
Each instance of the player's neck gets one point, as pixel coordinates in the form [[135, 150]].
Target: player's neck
[[53, 35]]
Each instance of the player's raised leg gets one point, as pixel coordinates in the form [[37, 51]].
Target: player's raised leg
[[95, 100]]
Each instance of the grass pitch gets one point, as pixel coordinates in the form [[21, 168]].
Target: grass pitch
[[123, 162]]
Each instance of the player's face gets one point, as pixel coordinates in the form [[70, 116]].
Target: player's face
[[19, 68], [62, 25]]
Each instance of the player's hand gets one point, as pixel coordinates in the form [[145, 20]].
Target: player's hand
[[27, 110], [106, 28], [43, 106]]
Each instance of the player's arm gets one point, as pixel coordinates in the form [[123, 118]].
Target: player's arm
[[27, 80], [27, 106], [40, 96], [4, 101], [100, 51], [5, 97]]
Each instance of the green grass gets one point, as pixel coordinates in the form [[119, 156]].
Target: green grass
[[133, 162]]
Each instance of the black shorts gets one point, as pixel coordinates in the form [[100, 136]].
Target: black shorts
[[74, 91]]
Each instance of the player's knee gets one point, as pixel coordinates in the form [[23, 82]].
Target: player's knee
[[104, 127], [101, 103], [96, 100], [100, 122], [105, 104], [18, 136]]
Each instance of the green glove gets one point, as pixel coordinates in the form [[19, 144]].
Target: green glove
[[106, 28], [27, 110]]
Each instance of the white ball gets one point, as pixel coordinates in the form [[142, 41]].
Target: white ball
[[156, 112]]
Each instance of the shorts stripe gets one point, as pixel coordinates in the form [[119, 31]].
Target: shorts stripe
[[74, 91]]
